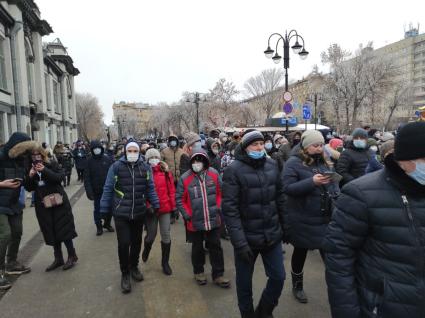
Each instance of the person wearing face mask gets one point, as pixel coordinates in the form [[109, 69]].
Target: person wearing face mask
[[253, 210], [198, 199], [375, 247], [213, 150], [80, 158], [193, 140], [374, 163], [269, 146], [52, 207], [94, 178], [224, 142], [172, 156], [166, 191], [354, 159], [308, 206], [129, 184], [293, 142]]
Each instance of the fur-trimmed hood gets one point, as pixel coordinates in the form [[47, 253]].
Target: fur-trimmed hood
[[21, 148]]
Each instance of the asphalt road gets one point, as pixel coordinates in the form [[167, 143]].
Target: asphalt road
[[92, 288]]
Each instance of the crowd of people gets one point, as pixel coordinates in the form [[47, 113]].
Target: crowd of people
[[358, 199]]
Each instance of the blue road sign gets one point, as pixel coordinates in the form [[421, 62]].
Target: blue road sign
[[287, 108], [292, 121], [306, 112]]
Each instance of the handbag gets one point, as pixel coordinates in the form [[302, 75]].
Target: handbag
[[53, 200]]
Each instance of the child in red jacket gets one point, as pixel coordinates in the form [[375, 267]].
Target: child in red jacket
[[165, 189]]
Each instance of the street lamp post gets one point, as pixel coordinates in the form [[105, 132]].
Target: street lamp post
[[196, 100], [297, 49]]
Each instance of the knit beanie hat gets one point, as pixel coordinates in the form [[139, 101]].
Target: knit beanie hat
[[222, 135], [152, 152], [387, 136], [360, 133], [251, 137], [372, 142], [277, 137], [386, 148], [191, 138], [410, 142], [311, 137], [132, 144], [336, 143]]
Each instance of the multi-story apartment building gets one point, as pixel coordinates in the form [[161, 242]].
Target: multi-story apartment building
[[132, 118], [36, 78]]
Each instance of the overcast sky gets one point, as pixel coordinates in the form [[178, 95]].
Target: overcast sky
[[152, 51]]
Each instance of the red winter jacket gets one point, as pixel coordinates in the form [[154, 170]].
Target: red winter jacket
[[164, 187]]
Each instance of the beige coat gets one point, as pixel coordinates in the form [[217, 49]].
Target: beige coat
[[172, 158]]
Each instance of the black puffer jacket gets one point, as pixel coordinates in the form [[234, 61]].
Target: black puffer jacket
[[12, 167], [307, 211], [127, 187], [375, 244], [215, 161], [253, 202], [352, 163], [96, 171]]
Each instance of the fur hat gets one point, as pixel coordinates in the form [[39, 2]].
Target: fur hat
[[311, 137], [18, 144], [191, 138]]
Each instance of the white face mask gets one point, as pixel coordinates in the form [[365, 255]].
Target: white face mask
[[173, 143], [153, 162], [97, 151], [197, 167], [374, 148], [132, 157]]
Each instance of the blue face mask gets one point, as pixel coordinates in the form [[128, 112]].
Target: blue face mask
[[419, 174], [359, 143], [256, 154], [268, 146]]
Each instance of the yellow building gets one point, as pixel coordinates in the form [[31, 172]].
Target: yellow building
[[132, 119]]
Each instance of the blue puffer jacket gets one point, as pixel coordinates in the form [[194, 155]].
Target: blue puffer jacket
[[127, 187], [308, 207], [375, 247]]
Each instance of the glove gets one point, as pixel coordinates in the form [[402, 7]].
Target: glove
[[245, 254]]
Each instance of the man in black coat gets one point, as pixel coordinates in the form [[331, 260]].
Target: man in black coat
[[375, 243], [94, 179], [253, 210], [12, 172], [354, 159], [80, 158]]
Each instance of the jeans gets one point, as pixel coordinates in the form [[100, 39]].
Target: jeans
[[152, 227], [10, 237], [129, 236], [275, 272], [214, 248]]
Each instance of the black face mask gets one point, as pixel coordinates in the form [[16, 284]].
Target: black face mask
[[316, 156], [296, 142]]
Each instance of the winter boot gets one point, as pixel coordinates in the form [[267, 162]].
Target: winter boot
[[165, 247], [146, 251], [248, 314], [125, 283], [58, 262], [107, 224], [72, 260], [99, 229], [264, 309], [4, 282], [298, 289], [136, 274]]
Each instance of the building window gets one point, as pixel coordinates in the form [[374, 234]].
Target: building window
[[47, 85], [56, 102], [3, 79]]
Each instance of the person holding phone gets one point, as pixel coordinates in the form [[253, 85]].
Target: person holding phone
[[308, 184], [11, 174], [55, 218]]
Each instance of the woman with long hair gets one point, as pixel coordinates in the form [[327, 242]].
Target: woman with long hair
[[309, 185], [52, 207]]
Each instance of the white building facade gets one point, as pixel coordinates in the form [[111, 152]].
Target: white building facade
[[36, 80]]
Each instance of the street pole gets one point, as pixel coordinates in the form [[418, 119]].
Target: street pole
[[197, 110], [315, 111]]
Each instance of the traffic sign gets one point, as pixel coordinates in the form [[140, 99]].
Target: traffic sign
[[292, 121], [306, 112], [287, 96], [287, 108]]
